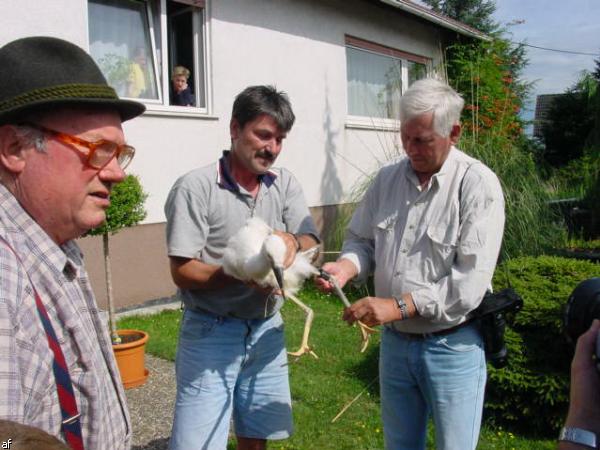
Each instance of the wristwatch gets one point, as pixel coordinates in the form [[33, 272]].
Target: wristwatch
[[401, 305], [578, 436]]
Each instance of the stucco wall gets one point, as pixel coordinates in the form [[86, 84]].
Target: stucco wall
[[66, 19]]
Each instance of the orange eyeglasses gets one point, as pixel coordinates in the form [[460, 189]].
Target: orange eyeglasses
[[100, 152]]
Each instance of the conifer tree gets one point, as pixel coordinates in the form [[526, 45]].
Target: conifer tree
[[475, 13]]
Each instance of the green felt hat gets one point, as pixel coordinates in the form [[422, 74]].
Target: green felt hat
[[39, 73]]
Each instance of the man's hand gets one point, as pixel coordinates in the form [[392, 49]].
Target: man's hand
[[377, 311], [265, 290], [584, 403], [291, 245], [373, 311], [343, 271]]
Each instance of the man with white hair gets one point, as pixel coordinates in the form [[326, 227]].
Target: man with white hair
[[429, 229]]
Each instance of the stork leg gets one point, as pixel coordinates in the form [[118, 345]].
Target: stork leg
[[304, 347]]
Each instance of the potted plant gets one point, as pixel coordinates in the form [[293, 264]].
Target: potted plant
[[126, 209]]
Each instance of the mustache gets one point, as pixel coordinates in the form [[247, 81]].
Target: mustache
[[266, 154]]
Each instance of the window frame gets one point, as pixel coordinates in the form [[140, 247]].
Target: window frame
[[381, 123], [153, 46], [161, 57]]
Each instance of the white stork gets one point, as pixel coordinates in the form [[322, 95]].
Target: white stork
[[256, 254]]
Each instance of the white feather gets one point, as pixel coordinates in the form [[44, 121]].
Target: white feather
[[250, 251]]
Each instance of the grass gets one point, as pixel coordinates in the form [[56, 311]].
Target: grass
[[584, 245], [322, 387]]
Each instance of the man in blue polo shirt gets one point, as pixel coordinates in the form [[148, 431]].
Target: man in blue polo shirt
[[231, 355]]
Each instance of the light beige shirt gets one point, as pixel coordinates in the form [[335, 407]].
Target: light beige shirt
[[432, 242]]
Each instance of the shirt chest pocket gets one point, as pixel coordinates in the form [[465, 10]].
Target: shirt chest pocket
[[384, 235], [442, 244]]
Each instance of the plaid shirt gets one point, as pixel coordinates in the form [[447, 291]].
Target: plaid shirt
[[27, 387]]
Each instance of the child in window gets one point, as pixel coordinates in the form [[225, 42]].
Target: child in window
[[181, 94]]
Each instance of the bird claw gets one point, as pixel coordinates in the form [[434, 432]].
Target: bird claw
[[366, 332], [304, 349]]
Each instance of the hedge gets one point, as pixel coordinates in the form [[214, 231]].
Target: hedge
[[531, 394]]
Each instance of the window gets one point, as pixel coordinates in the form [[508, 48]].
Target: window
[[377, 76], [138, 43]]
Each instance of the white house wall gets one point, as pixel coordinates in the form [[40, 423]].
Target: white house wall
[[298, 45], [66, 19]]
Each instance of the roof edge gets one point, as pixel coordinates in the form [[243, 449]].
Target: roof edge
[[439, 19]]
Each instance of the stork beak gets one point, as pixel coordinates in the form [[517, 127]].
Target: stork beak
[[278, 271]]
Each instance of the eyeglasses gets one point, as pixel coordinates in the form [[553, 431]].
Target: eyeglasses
[[100, 152]]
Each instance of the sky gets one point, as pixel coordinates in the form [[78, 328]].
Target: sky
[[571, 25]]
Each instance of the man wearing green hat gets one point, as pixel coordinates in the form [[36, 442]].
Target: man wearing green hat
[[62, 149]]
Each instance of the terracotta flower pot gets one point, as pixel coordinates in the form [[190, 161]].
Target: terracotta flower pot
[[131, 357]]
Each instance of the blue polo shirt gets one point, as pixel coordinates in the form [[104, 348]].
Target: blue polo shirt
[[205, 207]]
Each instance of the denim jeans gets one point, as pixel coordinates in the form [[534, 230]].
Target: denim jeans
[[442, 376], [228, 366]]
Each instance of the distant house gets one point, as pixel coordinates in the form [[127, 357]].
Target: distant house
[[344, 64], [543, 104]]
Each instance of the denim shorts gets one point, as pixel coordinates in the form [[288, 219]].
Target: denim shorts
[[226, 368]]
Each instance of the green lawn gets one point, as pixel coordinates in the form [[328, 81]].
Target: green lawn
[[322, 387]]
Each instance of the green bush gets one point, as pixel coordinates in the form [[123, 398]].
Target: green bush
[[583, 245], [591, 201], [126, 206], [569, 126], [531, 393], [579, 178], [126, 210]]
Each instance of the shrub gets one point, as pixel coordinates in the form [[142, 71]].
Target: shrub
[[578, 177], [591, 201], [126, 210], [531, 393], [582, 245], [126, 206], [569, 126]]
